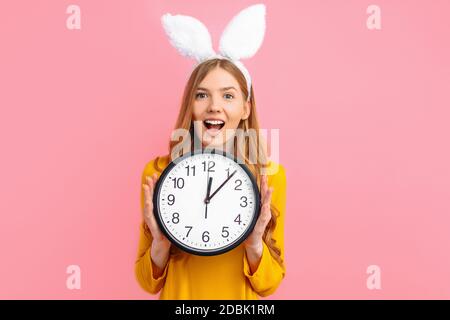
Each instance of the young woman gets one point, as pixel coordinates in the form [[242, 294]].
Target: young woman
[[216, 90]]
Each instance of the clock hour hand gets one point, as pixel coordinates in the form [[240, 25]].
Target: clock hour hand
[[208, 190], [220, 187]]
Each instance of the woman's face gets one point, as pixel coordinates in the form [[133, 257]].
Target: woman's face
[[219, 104]]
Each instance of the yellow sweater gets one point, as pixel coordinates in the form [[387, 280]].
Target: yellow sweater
[[225, 276]]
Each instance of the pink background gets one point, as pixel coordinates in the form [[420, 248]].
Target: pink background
[[364, 128]]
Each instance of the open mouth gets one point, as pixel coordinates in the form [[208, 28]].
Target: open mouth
[[213, 124]]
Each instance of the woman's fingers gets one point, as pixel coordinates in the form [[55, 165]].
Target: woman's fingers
[[265, 214], [263, 185], [266, 203], [148, 206], [147, 195]]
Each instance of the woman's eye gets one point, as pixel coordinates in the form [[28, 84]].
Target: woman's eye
[[228, 96], [200, 95]]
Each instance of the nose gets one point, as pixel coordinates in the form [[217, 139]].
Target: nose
[[214, 105]]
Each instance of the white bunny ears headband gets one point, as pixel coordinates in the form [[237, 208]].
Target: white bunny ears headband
[[241, 38]]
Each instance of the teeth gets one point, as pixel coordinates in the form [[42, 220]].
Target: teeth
[[214, 121]]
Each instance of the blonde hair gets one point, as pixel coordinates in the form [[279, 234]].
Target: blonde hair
[[254, 144]]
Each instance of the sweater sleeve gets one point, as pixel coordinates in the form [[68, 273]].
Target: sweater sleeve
[[269, 273], [144, 265]]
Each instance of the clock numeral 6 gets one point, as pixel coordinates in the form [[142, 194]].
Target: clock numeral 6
[[190, 228], [205, 236], [244, 199], [225, 232], [178, 183], [175, 217], [211, 165], [171, 199]]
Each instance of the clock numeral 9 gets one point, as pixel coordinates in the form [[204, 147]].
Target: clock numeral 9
[[225, 232], [178, 183], [175, 217], [238, 219], [211, 165], [244, 199], [171, 199], [190, 228], [205, 236], [190, 168]]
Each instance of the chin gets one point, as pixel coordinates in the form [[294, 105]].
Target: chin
[[213, 143]]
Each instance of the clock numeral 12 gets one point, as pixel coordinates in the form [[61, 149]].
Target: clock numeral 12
[[211, 165]]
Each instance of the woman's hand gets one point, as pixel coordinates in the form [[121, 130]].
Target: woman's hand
[[254, 240], [149, 218]]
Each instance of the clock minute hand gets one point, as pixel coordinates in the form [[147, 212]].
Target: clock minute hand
[[220, 187]]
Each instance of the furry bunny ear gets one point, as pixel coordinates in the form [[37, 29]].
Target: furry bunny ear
[[188, 35], [244, 34]]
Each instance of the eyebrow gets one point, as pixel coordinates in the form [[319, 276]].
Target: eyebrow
[[221, 89]]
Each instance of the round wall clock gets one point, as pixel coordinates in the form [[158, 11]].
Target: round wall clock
[[206, 203]]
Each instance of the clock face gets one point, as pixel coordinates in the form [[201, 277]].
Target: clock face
[[206, 203]]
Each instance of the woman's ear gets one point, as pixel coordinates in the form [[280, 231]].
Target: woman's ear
[[246, 110]]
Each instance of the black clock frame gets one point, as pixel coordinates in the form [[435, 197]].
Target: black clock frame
[[173, 240]]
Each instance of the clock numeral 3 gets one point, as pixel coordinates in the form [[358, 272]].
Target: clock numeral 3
[[244, 199], [175, 217], [225, 232], [178, 183], [205, 236]]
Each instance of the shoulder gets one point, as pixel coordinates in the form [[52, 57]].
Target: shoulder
[[156, 165], [276, 174]]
